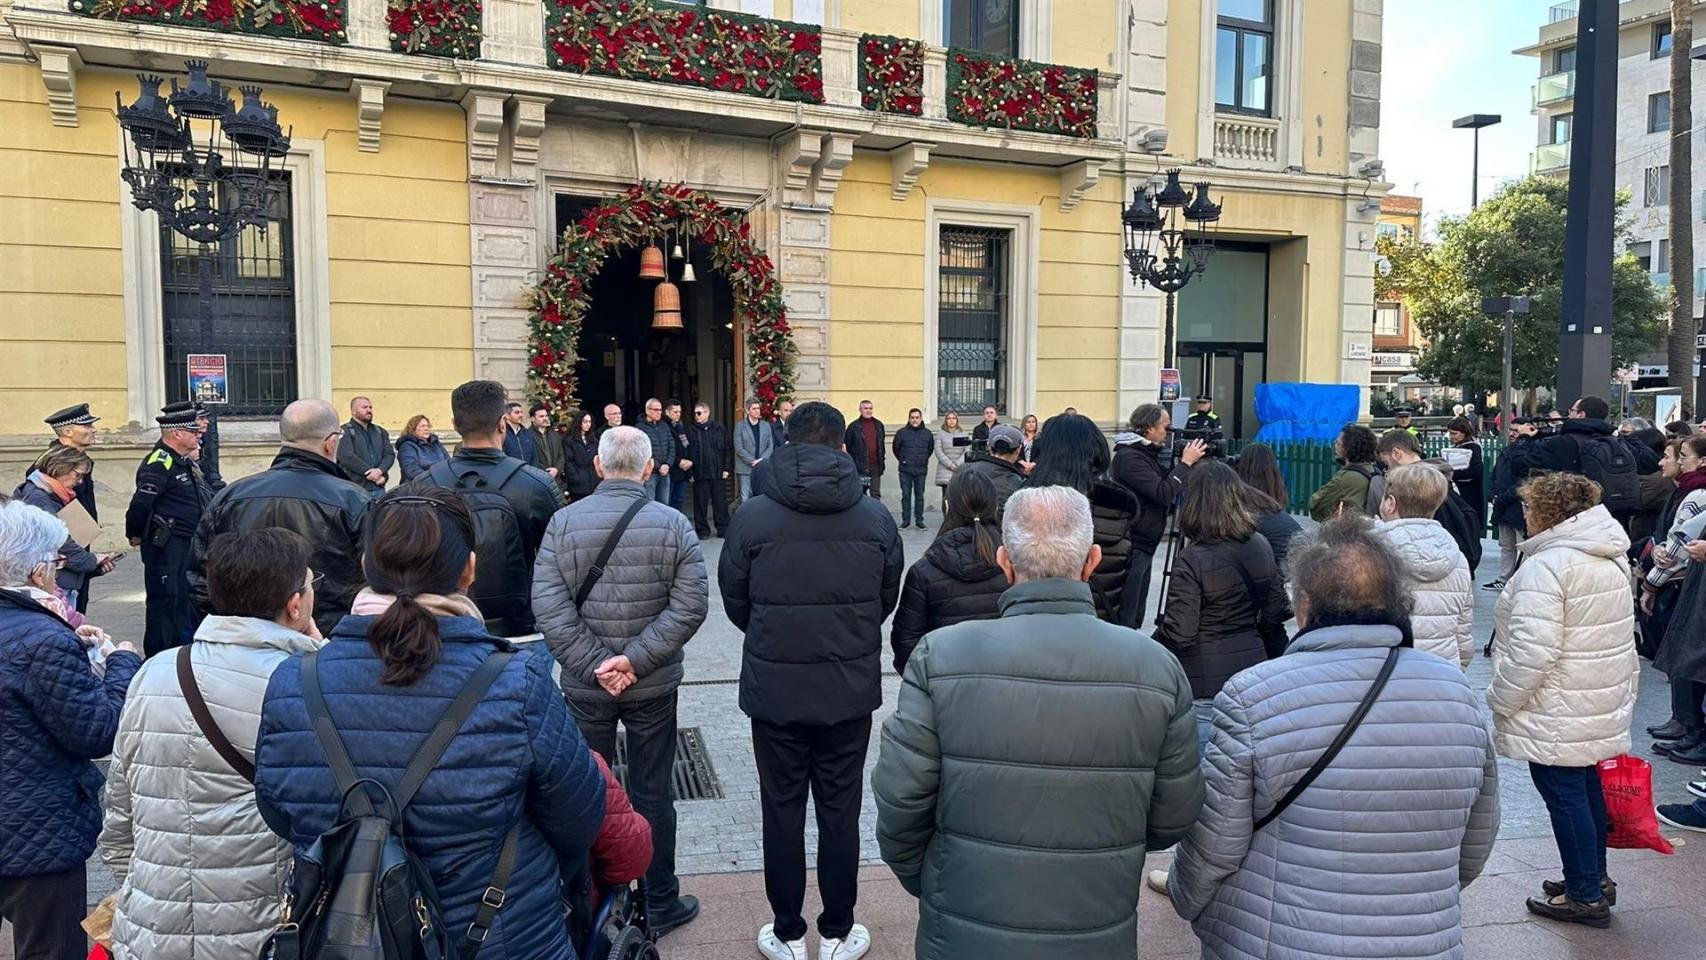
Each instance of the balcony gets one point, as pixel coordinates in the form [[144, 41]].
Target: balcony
[[1555, 88], [1561, 11], [1252, 140], [1551, 158]]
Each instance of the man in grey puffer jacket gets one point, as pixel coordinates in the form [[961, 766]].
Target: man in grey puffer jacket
[[1368, 860], [1033, 761], [621, 650]]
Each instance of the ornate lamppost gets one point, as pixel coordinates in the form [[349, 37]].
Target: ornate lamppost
[[201, 163], [1163, 252]]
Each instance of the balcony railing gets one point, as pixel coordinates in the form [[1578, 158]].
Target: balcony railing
[[1554, 88], [1253, 139], [1552, 156], [1561, 11]]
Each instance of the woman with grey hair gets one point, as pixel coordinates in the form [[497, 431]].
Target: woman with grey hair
[[57, 716], [1326, 760]]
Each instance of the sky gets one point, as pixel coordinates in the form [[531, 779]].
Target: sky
[[1443, 59]]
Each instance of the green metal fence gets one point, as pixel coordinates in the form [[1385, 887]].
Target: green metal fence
[[1308, 466]]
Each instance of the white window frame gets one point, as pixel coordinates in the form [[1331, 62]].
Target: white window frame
[[144, 317], [1397, 309], [1287, 82], [1025, 223]]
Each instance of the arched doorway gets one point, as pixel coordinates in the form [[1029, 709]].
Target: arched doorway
[[590, 326]]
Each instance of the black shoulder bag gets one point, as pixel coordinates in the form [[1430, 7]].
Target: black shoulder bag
[[1338, 744], [597, 572], [216, 737]]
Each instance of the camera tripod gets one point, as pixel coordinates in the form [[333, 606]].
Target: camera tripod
[[1172, 539]]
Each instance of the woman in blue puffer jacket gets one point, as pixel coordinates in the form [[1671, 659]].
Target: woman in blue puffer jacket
[[388, 672], [418, 448]]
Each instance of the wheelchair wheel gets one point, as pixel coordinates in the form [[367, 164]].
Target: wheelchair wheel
[[631, 944]]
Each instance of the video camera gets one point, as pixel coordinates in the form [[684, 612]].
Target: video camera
[[979, 446], [1543, 426], [1214, 438]]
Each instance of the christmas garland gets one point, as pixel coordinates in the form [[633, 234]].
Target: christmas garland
[[443, 28], [987, 91], [673, 43], [891, 74], [557, 307], [322, 20]]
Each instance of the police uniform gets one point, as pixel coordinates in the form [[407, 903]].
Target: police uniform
[[170, 497], [77, 415], [1205, 420], [1405, 412]]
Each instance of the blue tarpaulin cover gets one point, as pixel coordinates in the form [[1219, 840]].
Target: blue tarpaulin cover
[[1305, 411]]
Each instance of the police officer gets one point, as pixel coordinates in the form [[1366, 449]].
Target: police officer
[[170, 497], [75, 427], [1401, 421], [1205, 419]]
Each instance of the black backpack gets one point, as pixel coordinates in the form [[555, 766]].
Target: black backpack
[[1610, 463], [503, 572], [359, 892]]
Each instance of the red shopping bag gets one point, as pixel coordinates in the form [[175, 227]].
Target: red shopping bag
[[98, 952], [1632, 822]]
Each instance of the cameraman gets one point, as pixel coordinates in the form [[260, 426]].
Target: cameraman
[[1137, 465], [998, 460], [1585, 444], [1507, 509]]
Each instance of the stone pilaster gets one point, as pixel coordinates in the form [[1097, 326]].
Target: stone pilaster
[[504, 255], [802, 265]]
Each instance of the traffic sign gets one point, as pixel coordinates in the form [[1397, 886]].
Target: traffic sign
[[1700, 341]]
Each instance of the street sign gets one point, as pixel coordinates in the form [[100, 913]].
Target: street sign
[[207, 377], [1169, 385], [1700, 341]]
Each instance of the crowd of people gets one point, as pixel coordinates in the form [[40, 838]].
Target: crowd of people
[[452, 659]]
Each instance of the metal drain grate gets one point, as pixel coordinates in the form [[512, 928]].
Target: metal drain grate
[[691, 775]]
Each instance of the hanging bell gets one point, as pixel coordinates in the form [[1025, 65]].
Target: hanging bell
[[666, 307], [676, 253], [687, 274], [651, 264]]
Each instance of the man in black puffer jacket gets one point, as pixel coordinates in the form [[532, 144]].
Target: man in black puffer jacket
[[809, 571], [304, 491], [914, 445]]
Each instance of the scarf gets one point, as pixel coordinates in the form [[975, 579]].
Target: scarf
[[1691, 481], [59, 490], [370, 603]]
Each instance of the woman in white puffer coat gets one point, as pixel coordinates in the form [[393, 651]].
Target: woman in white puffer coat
[[1444, 619], [1564, 674]]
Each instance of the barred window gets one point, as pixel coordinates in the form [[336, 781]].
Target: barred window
[[972, 312], [1657, 192], [250, 310]]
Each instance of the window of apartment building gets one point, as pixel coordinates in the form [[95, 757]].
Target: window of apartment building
[[972, 306], [1388, 320], [1655, 190], [1244, 56], [1658, 112], [1661, 40], [991, 26], [252, 310], [1387, 230], [1654, 256], [1563, 59], [1562, 124]]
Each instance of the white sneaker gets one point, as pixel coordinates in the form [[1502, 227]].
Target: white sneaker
[[851, 947], [769, 946], [1157, 880]]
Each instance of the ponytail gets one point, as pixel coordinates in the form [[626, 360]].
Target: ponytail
[[985, 538], [406, 638]]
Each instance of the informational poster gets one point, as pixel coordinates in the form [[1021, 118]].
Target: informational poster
[[1169, 385], [207, 378]]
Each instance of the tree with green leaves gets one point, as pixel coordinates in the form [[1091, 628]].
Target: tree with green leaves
[[1511, 245]]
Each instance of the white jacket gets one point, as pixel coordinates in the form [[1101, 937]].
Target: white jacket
[[1564, 666], [200, 874], [1444, 619]]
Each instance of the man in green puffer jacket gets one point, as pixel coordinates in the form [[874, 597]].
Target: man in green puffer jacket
[[1034, 760]]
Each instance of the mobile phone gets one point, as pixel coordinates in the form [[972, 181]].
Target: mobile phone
[[117, 556]]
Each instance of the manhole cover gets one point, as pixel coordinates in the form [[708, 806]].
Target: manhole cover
[[691, 775]]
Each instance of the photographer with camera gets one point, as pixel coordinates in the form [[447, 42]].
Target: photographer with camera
[[1586, 444], [1137, 467], [998, 459]]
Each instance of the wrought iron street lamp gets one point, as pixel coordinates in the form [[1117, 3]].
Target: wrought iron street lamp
[[201, 163], [1169, 239]]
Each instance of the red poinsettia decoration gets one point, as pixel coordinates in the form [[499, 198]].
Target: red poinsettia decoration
[[990, 91], [559, 303], [891, 74], [443, 28], [641, 40], [322, 20]]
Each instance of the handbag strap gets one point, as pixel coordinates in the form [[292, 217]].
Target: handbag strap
[[597, 572], [216, 737], [1338, 744]]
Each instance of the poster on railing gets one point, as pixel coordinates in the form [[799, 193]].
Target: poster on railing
[[1169, 385], [207, 377]]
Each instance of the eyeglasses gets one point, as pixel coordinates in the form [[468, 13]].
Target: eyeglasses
[[312, 584], [337, 434]]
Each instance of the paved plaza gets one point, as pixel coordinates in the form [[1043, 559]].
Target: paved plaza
[[720, 851]]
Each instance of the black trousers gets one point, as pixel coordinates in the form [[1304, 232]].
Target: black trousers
[[709, 494], [1135, 594], [651, 756], [46, 912], [169, 620], [831, 762]]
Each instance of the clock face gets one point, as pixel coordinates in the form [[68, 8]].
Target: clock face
[[996, 11]]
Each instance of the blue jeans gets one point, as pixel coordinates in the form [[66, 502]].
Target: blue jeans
[[658, 487], [911, 498], [677, 490], [1576, 804], [745, 486], [1205, 723]]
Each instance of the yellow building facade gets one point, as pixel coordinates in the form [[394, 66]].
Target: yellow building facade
[[927, 258]]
